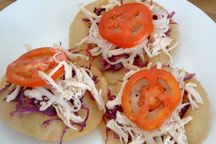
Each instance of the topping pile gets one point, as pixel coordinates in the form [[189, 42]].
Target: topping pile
[[48, 81], [164, 118], [118, 33]]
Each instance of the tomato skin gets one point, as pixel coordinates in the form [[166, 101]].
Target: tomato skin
[[126, 25], [24, 70], [167, 102]]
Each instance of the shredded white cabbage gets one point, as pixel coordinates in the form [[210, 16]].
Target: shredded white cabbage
[[193, 95], [158, 43], [71, 56], [28, 47], [64, 94], [89, 14], [111, 4], [172, 131], [13, 95]]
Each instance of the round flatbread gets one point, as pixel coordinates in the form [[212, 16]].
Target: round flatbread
[[31, 124], [196, 130], [78, 30]]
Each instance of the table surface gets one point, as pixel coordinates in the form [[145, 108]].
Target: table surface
[[208, 6]]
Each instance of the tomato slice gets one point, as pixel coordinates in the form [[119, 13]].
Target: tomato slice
[[126, 25], [24, 70], [152, 97]]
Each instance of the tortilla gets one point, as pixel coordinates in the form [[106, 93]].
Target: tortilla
[[31, 124], [78, 31], [196, 130]]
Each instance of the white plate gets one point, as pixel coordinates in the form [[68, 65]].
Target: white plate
[[42, 23]]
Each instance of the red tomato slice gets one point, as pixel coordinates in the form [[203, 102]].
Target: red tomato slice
[[152, 97], [126, 25], [24, 70]]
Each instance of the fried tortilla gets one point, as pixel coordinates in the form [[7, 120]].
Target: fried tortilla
[[196, 130], [78, 31], [31, 124]]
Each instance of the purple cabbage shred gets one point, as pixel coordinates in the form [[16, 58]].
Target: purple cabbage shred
[[25, 105], [189, 77], [184, 110], [46, 123], [151, 2], [115, 58], [63, 134], [168, 33], [107, 134], [108, 67], [89, 47], [116, 67], [186, 107], [166, 65], [87, 22], [139, 63], [111, 113], [170, 15], [95, 79], [98, 11], [83, 124], [110, 96]]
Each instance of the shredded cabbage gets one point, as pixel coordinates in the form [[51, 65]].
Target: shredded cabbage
[[158, 42], [64, 94], [170, 132]]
